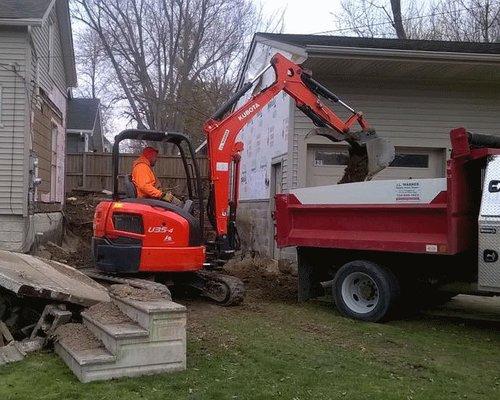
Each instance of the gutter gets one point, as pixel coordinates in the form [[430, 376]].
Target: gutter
[[80, 131], [417, 55], [21, 21]]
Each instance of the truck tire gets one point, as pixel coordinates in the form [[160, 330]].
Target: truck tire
[[364, 290]]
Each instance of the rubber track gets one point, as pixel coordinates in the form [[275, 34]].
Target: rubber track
[[235, 285]]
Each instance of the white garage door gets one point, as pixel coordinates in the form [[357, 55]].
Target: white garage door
[[326, 163]]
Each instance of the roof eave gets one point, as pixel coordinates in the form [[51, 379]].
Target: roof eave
[[64, 19], [288, 47], [75, 130], [423, 55], [21, 21]]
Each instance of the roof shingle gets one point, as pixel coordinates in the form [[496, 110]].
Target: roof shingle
[[23, 9], [82, 113]]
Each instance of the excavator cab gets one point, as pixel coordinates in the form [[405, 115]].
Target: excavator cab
[[186, 153], [139, 234]]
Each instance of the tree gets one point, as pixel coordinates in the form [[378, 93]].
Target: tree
[[469, 20], [165, 54], [95, 78], [461, 20], [397, 19]]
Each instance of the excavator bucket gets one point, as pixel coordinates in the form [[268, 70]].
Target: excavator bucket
[[367, 159], [368, 153], [380, 154]]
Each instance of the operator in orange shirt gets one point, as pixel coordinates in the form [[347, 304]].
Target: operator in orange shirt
[[145, 180]]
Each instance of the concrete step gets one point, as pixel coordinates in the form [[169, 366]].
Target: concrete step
[[149, 338], [87, 368], [164, 319], [83, 359], [114, 335]]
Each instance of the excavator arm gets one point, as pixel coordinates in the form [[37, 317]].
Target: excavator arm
[[224, 149]]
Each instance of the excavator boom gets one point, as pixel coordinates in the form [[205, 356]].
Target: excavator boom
[[224, 149]]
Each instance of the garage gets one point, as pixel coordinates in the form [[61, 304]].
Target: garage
[[326, 163]]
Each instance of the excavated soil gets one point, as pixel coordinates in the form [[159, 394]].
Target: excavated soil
[[357, 165], [264, 278], [133, 293], [78, 217], [77, 337], [107, 313]]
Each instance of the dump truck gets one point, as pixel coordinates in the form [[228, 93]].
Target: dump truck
[[383, 246]]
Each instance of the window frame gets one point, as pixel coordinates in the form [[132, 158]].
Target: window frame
[[344, 152], [51, 43]]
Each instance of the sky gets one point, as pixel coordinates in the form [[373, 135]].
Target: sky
[[304, 16]]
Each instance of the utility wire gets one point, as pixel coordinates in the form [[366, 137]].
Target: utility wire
[[404, 20]]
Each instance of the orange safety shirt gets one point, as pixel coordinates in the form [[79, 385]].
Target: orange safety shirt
[[144, 179]]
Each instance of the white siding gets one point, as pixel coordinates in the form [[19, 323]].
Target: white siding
[[266, 135], [49, 76], [409, 113], [13, 49]]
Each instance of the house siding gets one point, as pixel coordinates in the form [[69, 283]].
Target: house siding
[[40, 35], [26, 117], [50, 109], [14, 95]]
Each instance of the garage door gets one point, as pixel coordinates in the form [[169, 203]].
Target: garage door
[[326, 163]]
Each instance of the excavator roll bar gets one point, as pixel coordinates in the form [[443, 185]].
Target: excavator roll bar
[[224, 151]]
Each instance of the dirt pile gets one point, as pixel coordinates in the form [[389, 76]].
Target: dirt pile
[[264, 277], [138, 294], [79, 213], [75, 249], [107, 313], [76, 337]]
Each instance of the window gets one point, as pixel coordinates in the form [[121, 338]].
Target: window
[[53, 164], [330, 157], [407, 160], [324, 158]]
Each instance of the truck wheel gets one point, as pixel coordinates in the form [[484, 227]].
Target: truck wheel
[[364, 290]]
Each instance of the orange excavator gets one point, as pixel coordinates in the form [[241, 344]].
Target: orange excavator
[[138, 235]]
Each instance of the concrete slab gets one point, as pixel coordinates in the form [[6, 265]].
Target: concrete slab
[[35, 277], [12, 352], [470, 307]]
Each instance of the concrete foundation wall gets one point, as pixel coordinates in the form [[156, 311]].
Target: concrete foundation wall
[[255, 226], [256, 230], [18, 233], [12, 232], [48, 226]]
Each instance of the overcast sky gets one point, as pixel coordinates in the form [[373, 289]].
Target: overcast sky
[[305, 16]]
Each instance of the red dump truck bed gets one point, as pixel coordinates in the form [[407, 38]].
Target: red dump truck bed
[[414, 216]]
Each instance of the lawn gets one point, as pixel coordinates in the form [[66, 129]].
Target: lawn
[[275, 350]]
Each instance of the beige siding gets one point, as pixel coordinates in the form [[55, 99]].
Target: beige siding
[[47, 76], [410, 114], [13, 92]]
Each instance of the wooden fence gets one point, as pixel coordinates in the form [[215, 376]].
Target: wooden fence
[[93, 171]]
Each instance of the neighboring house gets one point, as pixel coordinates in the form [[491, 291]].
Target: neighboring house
[[84, 131], [37, 66], [413, 92]]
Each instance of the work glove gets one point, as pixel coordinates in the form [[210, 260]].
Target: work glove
[[167, 197]]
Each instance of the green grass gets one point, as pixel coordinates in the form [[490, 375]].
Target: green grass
[[289, 351]]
